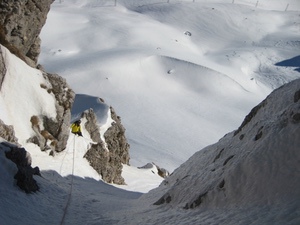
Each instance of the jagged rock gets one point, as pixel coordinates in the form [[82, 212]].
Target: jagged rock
[[64, 96], [107, 158], [105, 163], [91, 125], [55, 131], [25, 173], [116, 140], [20, 25], [7, 133], [160, 171], [147, 166]]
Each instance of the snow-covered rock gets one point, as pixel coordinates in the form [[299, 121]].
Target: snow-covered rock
[[109, 148], [37, 104]]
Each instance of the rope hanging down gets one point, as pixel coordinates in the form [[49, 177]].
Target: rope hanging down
[[71, 187]]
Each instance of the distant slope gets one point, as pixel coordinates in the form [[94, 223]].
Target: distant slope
[[180, 74]]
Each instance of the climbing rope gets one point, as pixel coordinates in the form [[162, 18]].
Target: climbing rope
[[71, 187]]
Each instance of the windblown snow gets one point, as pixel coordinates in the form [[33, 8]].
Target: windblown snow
[[181, 74]]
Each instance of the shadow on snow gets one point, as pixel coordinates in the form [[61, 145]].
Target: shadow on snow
[[293, 62]]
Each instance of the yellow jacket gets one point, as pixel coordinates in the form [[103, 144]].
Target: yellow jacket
[[75, 128]]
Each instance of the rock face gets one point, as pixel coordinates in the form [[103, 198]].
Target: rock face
[[256, 165], [91, 125], [55, 131], [64, 99], [20, 25], [107, 158], [7, 133], [116, 140]]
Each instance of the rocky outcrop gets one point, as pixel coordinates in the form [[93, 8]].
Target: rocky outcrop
[[64, 96], [160, 171], [25, 173], [20, 25], [56, 131], [7, 133], [107, 158], [116, 140], [91, 125], [106, 163]]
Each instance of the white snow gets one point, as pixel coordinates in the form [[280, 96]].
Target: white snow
[[175, 94], [23, 95]]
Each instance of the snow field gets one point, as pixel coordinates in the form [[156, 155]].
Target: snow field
[[175, 94]]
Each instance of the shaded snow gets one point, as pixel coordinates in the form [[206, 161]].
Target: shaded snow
[[255, 177]]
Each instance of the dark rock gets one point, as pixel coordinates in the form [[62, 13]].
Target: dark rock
[[25, 173], [296, 117], [25, 179], [228, 159], [19, 156], [218, 156], [221, 185], [297, 96], [165, 199], [250, 116]]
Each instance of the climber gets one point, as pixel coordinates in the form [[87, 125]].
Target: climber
[[76, 129]]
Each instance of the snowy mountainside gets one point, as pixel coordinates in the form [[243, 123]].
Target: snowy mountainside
[[22, 96], [140, 60], [112, 53], [253, 168]]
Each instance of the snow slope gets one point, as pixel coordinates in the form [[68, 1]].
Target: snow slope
[[163, 82], [254, 168], [22, 84], [175, 93]]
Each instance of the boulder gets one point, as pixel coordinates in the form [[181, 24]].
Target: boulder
[[25, 173]]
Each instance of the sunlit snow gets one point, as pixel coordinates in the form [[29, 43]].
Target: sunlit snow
[[180, 75]]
